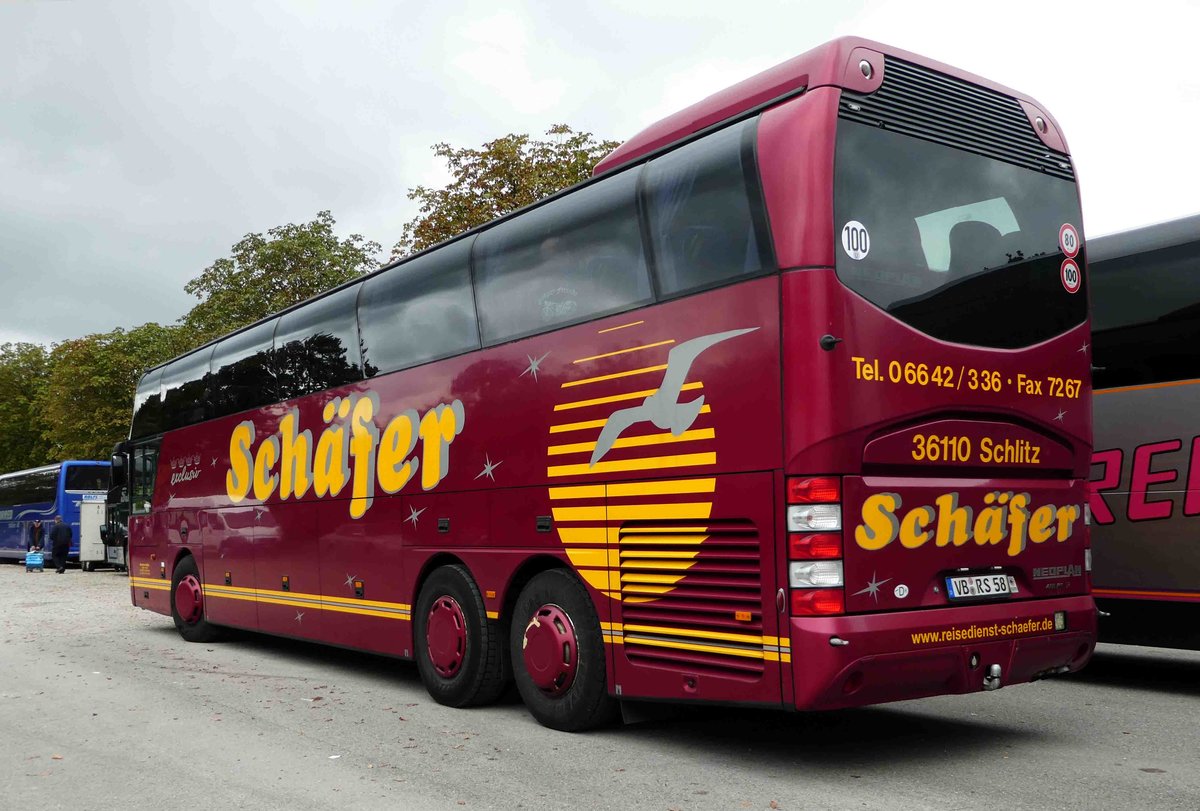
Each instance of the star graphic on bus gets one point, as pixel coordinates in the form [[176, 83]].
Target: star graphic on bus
[[349, 580], [533, 366], [488, 467], [1060, 415], [299, 616], [214, 462], [872, 589], [414, 514], [1084, 348]]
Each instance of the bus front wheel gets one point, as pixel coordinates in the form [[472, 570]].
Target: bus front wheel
[[558, 654], [459, 651], [187, 603]]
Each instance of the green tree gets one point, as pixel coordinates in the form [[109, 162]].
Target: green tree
[[267, 273], [24, 369], [502, 176], [87, 400]]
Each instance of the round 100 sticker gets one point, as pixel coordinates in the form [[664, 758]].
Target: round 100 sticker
[[1072, 278], [856, 242]]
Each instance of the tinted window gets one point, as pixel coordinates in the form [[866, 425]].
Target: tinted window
[[960, 246], [703, 203], [575, 258], [147, 405], [185, 394], [86, 477], [143, 464], [419, 311], [32, 487], [316, 346], [241, 366], [1146, 317]]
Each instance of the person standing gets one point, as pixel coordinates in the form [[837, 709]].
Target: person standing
[[60, 543], [36, 535]]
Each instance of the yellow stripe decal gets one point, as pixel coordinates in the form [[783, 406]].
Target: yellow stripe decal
[[623, 326], [748, 639], [659, 512], [583, 426], [624, 351], [662, 488], [670, 643], [576, 535], [617, 398], [636, 441], [337, 605], [582, 491], [647, 463], [614, 376]]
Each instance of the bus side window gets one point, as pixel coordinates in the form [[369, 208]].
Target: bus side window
[[241, 371], [147, 406], [575, 258], [316, 346], [419, 311], [144, 466], [700, 200], [185, 393]]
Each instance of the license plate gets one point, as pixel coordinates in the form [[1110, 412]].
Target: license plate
[[980, 586]]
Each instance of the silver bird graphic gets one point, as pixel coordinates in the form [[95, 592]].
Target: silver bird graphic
[[663, 408]]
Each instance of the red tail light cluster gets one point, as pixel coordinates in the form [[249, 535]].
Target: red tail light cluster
[[814, 518]]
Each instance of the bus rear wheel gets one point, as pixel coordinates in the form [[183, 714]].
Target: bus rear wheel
[[187, 603], [459, 651], [558, 654]]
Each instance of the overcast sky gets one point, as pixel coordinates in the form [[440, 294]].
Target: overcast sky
[[140, 140]]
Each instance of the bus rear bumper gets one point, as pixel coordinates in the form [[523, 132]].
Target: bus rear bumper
[[851, 661]]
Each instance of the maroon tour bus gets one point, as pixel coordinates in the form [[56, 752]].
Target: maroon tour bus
[[1145, 502], [787, 406]]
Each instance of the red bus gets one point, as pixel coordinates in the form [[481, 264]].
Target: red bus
[[1145, 501], [787, 406]]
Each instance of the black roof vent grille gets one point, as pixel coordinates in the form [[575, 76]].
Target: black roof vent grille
[[935, 107]]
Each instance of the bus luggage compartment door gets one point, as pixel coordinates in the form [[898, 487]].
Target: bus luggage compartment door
[[697, 615]]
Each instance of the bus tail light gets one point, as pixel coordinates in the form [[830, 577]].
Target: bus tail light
[[815, 546], [814, 522], [818, 602], [817, 490]]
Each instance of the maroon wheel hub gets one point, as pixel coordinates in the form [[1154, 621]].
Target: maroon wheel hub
[[550, 650], [189, 599], [446, 636]]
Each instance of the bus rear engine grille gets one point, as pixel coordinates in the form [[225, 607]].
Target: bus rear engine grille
[[925, 104]]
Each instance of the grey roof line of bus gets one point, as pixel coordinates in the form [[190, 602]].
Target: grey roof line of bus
[[1144, 239], [640, 160]]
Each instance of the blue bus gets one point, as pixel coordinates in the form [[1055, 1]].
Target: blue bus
[[43, 492]]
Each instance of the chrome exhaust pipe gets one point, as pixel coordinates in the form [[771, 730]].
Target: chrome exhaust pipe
[[992, 680]]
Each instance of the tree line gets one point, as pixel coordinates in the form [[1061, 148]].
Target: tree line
[[74, 399]]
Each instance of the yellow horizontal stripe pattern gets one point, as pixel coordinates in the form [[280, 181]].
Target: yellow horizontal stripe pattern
[[583, 426], [317, 602], [576, 535], [668, 487], [625, 351], [578, 513], [635, 441], [617, 398], [748, 639], [646, 463], [659, 512], [623, 326], [678, 645], [614, 376], [580, 491]]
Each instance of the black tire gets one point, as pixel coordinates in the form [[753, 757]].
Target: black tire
[[193, 629], [556, 597], [464, 665]]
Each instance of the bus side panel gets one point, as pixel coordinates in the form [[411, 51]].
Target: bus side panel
[[227, 571], [364, 597], [286, 571]]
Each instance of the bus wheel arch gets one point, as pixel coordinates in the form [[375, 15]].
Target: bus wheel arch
[[557, 650], [187, 601], [460, 652]]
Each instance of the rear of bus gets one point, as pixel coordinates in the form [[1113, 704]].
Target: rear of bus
[[936, 383]]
